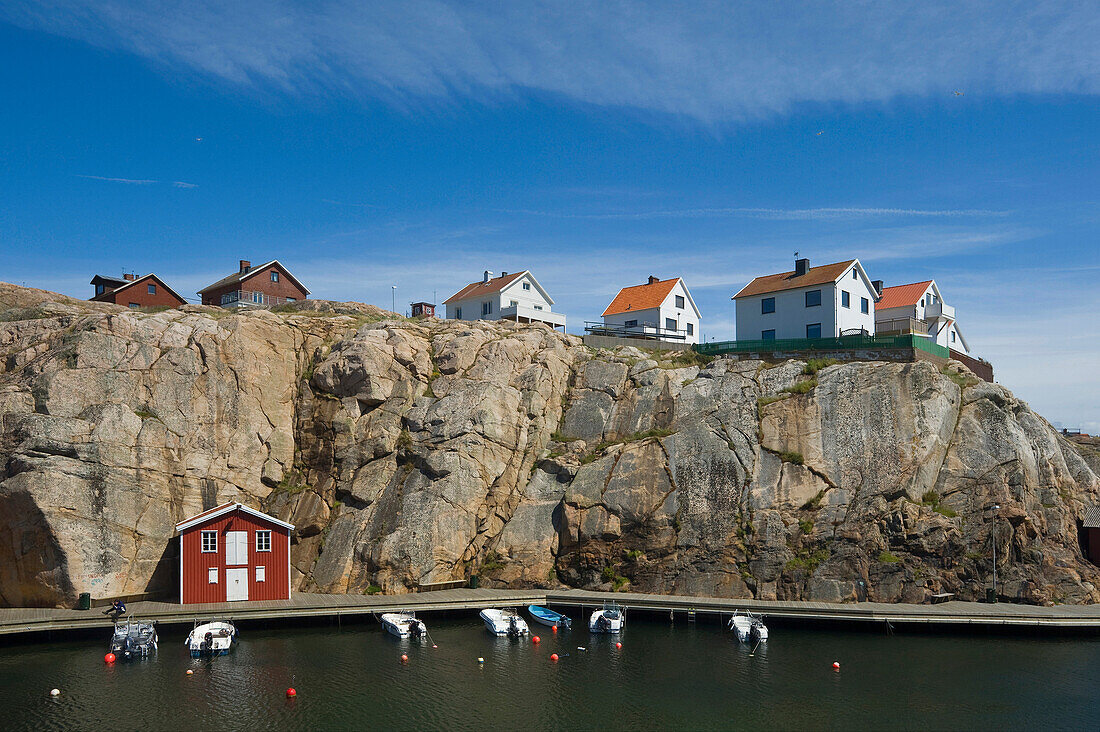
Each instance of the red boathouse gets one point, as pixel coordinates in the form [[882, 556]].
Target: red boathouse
[[233, 552]]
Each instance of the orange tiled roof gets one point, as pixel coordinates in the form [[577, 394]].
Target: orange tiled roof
[[476, 289], [641, 297], [826, 273], [900, 296]]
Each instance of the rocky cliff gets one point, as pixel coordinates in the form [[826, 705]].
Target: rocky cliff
[[410, 452]]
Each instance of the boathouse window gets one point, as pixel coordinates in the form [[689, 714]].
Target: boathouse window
[[767, 335], [261, 574], [210, 542], [212, 576], [864, 305], [152, 289], [813, 298], [263, 541], [274, 276], [813, 330], [845, 299], [767, 305], [679, 301]]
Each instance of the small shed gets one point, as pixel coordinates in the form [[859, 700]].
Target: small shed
[[423, 310], [233, 553], [1090, 535]]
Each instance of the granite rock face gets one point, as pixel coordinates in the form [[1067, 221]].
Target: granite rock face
[[414, 452]]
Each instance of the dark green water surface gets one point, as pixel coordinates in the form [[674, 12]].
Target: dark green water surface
[[665, 677]]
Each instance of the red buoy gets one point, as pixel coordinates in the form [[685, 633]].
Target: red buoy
[[291, 692], [553, 657], [109, 658], [618, 645], [404, 658], [836, 665], [554, 628], [536, 639]]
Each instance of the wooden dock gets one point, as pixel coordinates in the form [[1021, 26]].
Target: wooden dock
[[311, 605]]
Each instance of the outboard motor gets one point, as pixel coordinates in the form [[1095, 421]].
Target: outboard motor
[[414, 628], [207, 643], [513, 627], [603, 623]]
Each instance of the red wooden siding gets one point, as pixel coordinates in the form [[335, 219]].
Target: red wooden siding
[[259, 280], [194, 565]]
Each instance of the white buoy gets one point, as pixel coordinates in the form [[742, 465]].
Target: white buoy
[[55, 692], [480, 659]]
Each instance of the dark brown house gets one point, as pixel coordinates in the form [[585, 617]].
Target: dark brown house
[[148, 291], [257, 287]]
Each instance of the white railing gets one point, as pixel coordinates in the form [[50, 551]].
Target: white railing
[[255, 299]]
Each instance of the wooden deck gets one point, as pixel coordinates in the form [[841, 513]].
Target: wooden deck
[[308, 605]]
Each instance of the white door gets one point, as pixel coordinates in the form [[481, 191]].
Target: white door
[[236, 584], [236, 547]]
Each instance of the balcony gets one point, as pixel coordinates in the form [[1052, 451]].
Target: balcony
[[901, 326], [253, 299], [939, 310], [646, 331], [528, 314]]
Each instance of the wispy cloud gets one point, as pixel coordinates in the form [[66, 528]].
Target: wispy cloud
[[132, 181], [184, 184], [778, 214], [707, 60]]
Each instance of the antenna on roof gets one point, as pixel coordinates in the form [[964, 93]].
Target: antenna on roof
[[796, 255]]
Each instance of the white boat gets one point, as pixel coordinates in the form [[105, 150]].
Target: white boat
[[749, 628], [404, 625], [215, 638], [611, 619], [134, 639], [504, 622]]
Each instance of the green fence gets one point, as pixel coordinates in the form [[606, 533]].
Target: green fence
[[843, 343]]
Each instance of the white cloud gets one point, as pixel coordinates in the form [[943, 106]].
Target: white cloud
[[132, 181], [184, 184], [707, 60], [777, 214]]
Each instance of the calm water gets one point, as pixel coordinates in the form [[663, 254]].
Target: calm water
[[682, 677]]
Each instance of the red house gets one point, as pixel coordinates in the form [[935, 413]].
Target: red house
[[264, 286], [137, 292], [423, 310], [233, 552]]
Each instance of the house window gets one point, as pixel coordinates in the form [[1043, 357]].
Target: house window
[[691, 329], [767, 335], [209, 542], [212, 575], [952, 336], [813, 298], [767, 305], [670, 324], [99, 290], [679, 301], [152, 289], [864, 305], [486, 307], [230, 297], [813, 330], [538, 307], [261, 574], [292, 299], [274, 276], [854, 275], [527, 285], [458, 313], [631, 324], [258, 297], [845, 299], [513, 303], [135, 304], [263, 541]]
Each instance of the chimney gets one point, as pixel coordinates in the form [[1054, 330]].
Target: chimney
[[801, 267], [245, 265], [653, 279], [486, 275], [503, 274], [877, 284], [128, 276]]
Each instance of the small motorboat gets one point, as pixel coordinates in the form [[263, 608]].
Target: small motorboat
[[546, 616], [134, 639], [504, 622], [610, 619], [749, 628], [404, 625], [213, 638]]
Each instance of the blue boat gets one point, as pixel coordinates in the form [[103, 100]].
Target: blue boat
[[546, 616]]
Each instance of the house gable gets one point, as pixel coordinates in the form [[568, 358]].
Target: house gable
[[517, 283], [137, 290]]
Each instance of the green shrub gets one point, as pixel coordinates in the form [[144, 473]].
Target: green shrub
[[791, 457], [607, 574], [888, 557], [770, 399], [816, 364], [634, 555], [145, 414], [373, 590], [801, 387], [932, 500], [807, 560], [814, 503], [806, 526], [404, 440], [492, 562], [962, 381], [557, 436]]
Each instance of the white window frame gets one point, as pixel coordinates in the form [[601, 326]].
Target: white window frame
[[274, 276], [674, 325], [691, 329], [680, 302], [263, 536], [211, 575], [261, 573], [203, 536], [527, 285], [152, 288], [845, 299]]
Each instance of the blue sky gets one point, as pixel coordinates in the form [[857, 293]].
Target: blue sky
[[418, 143]]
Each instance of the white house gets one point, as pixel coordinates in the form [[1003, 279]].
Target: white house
[[517, 296], [810, 302], [660, 309], [919, 308]]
